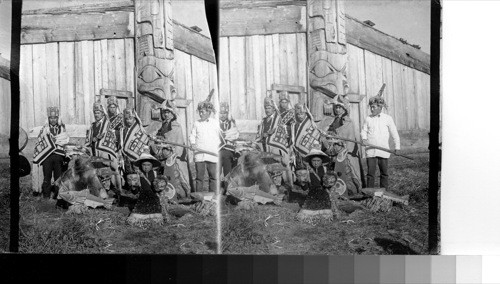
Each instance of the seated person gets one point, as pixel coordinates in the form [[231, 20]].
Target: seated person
[[146, 164], [104, 175], [315, 159], [80, 185], [249, 180], [276, 173], [300, 187], [130, 193]]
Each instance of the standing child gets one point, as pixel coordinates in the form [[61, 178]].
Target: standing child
[[377, 130]]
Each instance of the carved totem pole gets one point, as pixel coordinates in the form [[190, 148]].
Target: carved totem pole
[[154, 55], [327, 52]]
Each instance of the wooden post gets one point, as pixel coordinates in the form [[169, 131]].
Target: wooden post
[[154, 54], [327, 52]]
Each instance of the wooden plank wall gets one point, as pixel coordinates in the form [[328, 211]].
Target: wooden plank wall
[[70, 75], [249, 65], [5, 106]]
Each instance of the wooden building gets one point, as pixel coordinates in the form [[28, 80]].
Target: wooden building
[[269, 42], [73, 50]]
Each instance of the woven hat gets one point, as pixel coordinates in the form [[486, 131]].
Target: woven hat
[[224, 107], [112, 100], [145, 157], [316, 152], [98, 107], [53, 111], [207, 104], [169, 105]]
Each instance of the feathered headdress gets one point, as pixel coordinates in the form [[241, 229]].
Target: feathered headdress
[[378, 99], [207, 104]]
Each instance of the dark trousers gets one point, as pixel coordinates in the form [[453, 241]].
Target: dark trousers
[[372, 167], [52, 164], [200, 175], [226, 161]]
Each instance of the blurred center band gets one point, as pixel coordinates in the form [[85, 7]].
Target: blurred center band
[[120, 102]]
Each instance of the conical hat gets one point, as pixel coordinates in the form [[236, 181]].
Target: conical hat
[[207, 104], [145, 157], [378, 99], [316, 152]]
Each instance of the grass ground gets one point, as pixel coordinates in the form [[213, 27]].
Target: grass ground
[[47, 229], [266, 230], [274, 230]]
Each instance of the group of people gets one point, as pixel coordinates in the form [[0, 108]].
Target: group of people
[[122, 159], [311, 153]]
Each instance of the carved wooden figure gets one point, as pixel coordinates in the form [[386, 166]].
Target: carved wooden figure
[[154, 54], [327, 51]]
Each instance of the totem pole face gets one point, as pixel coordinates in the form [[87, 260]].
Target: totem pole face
[[112, 109], [53, 120], [328, 73]]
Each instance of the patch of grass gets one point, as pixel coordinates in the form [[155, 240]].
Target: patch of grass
[[68, 235], [241, 234]]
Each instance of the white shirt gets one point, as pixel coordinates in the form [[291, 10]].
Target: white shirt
[[377, 130], [205, 135]]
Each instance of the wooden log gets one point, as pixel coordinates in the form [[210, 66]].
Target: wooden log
[[192, 42], [127, 5], [366, 37], [67, 81], [239, 4], [117, 93], [4, 68], [262, 20], [224, 85], [43, 28]]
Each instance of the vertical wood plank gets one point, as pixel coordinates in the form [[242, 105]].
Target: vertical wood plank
[[427, 101], [269, 63], [237, 77], [283, 56], [52, 65], [40, 83], [276, 59], [302, 70], [130, 66], [27, 111], [5, 106], [224, 84], [292, 60], [399, 103], [190, 112], [353, 81], [79, 84], [250, 78], [259, 55], [111, 64], [88, 81], [97, 67], [104, 63], [409, 95], [200, 80], [419, 99], [121, 83], [179, 74], [67, 81]]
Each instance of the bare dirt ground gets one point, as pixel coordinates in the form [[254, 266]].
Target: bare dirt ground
[[47, 229], [274, 230]]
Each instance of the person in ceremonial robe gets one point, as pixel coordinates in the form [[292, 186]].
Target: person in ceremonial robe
[[52, 156]]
